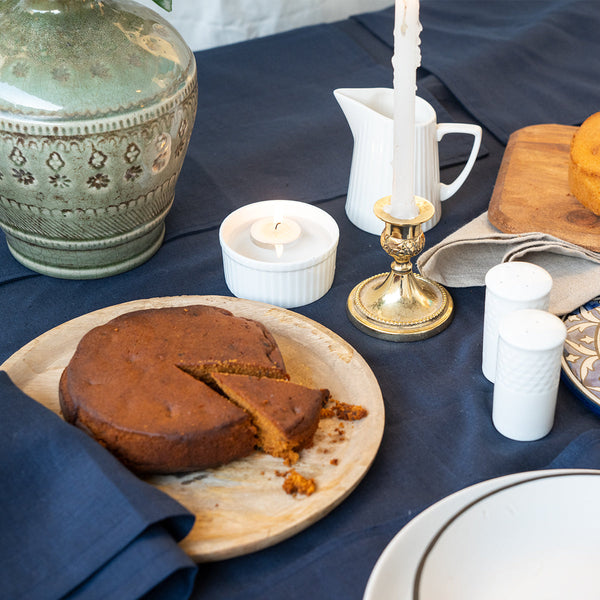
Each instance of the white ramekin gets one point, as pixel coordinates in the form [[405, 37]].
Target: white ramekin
[[282, 282]]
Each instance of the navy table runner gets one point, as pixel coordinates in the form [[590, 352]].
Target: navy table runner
[[268, 126]]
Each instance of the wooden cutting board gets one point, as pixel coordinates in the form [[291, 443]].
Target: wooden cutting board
[[532, 188]]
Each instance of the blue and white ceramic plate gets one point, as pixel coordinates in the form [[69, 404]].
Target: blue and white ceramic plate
[[581, 354]]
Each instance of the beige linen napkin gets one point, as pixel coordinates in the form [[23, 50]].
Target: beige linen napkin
[[464, 257]]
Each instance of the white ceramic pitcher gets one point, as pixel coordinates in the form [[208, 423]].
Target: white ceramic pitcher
[[369, 112]]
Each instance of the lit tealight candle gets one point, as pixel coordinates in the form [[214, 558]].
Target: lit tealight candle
[[249, 237], [275, 232]]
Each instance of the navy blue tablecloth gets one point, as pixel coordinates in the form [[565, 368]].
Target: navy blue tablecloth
[[268, 126]]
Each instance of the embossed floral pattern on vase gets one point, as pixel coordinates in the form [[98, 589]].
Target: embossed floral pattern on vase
[[97, 105]]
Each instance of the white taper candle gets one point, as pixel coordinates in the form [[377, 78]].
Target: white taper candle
[[405, 61]]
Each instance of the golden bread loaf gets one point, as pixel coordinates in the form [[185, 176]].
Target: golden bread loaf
[[584, 164]]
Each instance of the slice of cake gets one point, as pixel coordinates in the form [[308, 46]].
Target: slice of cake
[[286, 414]]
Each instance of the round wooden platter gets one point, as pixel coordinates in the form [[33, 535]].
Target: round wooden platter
[[242, 507]]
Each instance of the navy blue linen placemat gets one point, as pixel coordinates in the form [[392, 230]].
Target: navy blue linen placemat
[[75, 523], [268, 125], [439, 436], [511, 64]]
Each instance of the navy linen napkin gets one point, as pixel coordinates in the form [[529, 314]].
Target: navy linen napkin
[[511, 64], [74, 522]]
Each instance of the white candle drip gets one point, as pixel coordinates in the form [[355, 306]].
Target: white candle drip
[[276, 232]]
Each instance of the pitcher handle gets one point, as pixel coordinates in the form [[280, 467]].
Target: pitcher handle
[[447, 190]]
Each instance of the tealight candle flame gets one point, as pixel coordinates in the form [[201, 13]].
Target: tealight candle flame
[[275, 232]]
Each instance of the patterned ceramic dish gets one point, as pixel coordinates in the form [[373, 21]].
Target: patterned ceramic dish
[[581, 355]]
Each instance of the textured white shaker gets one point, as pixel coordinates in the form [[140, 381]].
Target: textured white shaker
[[510, 286], [530, 346]]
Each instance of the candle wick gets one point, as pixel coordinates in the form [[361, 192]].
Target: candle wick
[[277, 224]]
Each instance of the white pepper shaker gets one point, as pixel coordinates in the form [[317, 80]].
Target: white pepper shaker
[[510, 286], [530, 346]]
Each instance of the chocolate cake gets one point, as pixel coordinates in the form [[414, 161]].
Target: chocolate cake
[[142, 385]]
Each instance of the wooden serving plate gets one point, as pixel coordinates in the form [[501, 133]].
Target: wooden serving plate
[[241, 507], [532, 188]]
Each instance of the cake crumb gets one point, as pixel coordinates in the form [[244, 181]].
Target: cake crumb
[[343, 411], [290, 458], [338, 434], [295, 483]]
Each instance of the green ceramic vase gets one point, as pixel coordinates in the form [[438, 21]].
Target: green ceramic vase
[[97, 104]]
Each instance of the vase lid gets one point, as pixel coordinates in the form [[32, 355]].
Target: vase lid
[[87, 59]]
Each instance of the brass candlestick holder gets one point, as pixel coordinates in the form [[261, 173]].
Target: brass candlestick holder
[[401, 306]]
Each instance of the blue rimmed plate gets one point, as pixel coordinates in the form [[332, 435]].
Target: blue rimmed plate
[[394, 574], [538, 538]]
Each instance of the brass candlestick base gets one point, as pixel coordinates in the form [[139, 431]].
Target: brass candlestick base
[[401, 306]]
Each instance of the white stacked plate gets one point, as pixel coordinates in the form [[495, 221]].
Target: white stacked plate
[[522, 536]]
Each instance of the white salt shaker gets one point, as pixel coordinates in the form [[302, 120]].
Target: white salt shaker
[[530, 345], [510, 286]]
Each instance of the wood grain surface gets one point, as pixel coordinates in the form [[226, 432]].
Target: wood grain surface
[[532, 188], [241, 507]]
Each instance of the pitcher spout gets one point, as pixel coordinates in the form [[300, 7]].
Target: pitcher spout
[[369, 113], [360, 105]]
